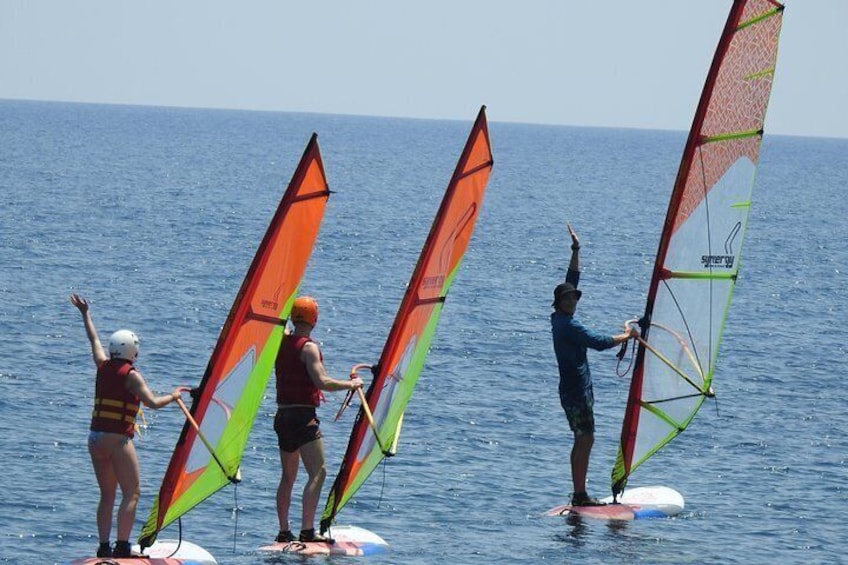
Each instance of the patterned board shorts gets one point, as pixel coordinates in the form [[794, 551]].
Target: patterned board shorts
[[296, 426], [581, 416]]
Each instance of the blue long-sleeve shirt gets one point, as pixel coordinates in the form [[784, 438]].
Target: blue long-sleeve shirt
[[571, 341]]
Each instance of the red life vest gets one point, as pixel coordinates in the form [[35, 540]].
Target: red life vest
[[294, 385], [115, 408]]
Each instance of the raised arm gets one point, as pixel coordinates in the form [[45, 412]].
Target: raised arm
[[574, 264], [311, 357], [96, 348]]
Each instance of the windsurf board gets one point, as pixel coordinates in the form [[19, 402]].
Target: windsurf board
[[163, 552], [348, 540], [633, 504]]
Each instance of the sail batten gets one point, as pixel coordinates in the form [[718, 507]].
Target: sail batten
[[731, 136], [404, 352], [701, 239], [778, 10], [228, 398], [691, 275]]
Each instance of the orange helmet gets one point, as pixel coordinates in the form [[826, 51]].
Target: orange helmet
[[305, 309]]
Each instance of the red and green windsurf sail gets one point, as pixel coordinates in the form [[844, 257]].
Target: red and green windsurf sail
[[406, 347], [699, 251], [231, 390]]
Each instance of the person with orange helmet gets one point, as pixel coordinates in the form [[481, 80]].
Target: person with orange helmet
[[571, 340], [301, 376], [119, 391]]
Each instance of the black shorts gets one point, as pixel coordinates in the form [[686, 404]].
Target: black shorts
[[296, 426]]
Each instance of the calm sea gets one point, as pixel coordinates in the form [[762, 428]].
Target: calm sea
[[154, 214]]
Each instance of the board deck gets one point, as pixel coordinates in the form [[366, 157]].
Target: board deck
[[349, 540], [163, 552], [633, 504]]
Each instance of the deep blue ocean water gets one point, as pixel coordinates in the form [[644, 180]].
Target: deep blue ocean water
[[154, 214]]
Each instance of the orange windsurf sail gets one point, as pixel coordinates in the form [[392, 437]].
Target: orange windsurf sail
[[226, 402]]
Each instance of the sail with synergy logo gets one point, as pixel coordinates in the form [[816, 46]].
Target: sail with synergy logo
[[377, 426], [209, 450], [699, 252]]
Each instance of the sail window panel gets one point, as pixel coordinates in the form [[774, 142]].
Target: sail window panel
[[685, 328], [710, 236], [397, 388], [654, 432], [228, 402]]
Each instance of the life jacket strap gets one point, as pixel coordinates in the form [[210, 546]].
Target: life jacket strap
[[130, 410]]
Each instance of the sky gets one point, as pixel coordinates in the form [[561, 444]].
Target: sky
[[613, 63]]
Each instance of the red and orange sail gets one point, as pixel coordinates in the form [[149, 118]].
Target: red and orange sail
[[699, 252], [229, 395], [406, 347]]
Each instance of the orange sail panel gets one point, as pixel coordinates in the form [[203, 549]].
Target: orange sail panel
[[700, 247], [226, 402], [405, 349]]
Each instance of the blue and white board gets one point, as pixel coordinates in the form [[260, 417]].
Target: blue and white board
[[349, 540], [633, 504], [163, 552]]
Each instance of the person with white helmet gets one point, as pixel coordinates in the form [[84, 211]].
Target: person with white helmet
[[301, 376], [571, 340], [119, 390]]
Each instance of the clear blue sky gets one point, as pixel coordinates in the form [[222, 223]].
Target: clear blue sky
[[619, 63]]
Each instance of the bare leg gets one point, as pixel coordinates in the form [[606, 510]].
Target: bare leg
[[580, 460], [101, 460], [313, 461], [125, 463], [289, 462]]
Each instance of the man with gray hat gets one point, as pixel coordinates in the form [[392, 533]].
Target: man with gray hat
[[571, 341]]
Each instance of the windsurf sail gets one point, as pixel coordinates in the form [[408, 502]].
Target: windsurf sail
[[699, 251], [375, 431], [226, 402]]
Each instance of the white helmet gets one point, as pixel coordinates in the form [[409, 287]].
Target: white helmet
[[123, 344]]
